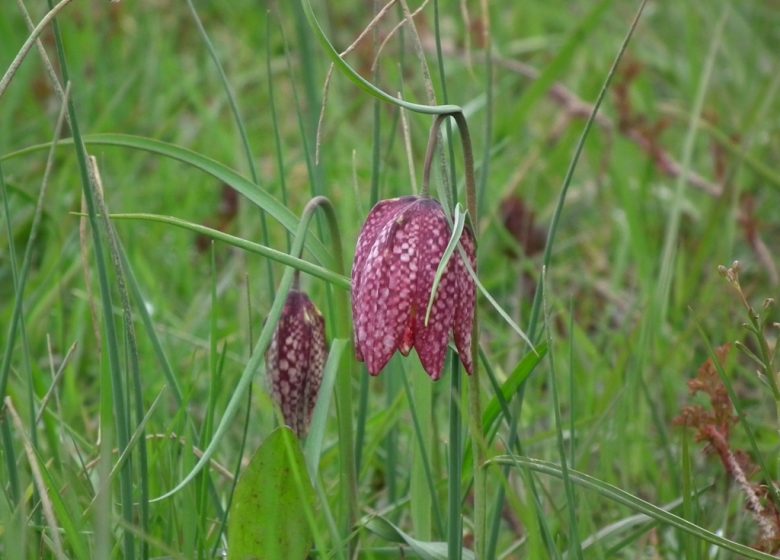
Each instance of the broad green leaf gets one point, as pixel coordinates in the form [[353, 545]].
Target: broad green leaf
[[269, 515]]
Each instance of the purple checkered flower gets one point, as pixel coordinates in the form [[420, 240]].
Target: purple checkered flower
[[295, 360], [398, 251]]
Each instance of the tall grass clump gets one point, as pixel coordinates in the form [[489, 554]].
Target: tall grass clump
[[389, 279]]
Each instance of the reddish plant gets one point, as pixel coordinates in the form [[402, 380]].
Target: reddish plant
[[714, 427], [225, 214], [520, 220]]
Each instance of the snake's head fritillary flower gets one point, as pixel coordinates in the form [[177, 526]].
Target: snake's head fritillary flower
[[398, 251], [295, 360]]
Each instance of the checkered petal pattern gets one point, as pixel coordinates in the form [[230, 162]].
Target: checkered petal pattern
[[398, 251], [295, 360]]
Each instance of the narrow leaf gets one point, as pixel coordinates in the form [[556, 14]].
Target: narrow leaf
[[253, 192], [361, 82], [319, 420], [457, 230], [424, 549], [617, 495], [268, 252]]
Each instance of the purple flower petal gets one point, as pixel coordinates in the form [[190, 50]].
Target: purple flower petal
[[398, 252], [380, 215], [431, 341], [467, 299], [381, 314]]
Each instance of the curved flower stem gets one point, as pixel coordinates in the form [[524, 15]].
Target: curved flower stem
[[468, 159], [344, 380], [433, 141], [359, 80], [475, 406], [343, 394], [468, 164]]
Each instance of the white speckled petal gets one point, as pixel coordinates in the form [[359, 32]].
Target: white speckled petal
[[318, 355], [384, 300], [431, 341], [467, 299], [383, 212]]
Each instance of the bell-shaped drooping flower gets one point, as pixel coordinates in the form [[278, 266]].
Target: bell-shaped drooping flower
[[398, 251], [295, 360]]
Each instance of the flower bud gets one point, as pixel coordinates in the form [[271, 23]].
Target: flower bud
[[295, 360]]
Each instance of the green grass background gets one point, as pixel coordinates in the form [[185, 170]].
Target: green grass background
[[632, 275]]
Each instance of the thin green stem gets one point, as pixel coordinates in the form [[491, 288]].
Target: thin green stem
[[5, 430], [575, 550], [454, 527], [468, 164], [488, 65], [453, 191], [29, 42], [423, 442], [344, 380], [533, 322], [477, 442], [475, 405], [376, 160], [536, 308], [274, 120], [233, 102]]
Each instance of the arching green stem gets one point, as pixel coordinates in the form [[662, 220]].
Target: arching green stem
[[258, 355], [468, 159], [364, 84]]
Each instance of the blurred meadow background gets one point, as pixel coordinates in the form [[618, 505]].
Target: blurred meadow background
[[124, 340]]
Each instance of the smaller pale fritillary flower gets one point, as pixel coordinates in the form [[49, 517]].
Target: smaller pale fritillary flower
[[398, 251], [295, 360]]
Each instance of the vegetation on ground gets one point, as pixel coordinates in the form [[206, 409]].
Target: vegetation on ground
[[157, 167]]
